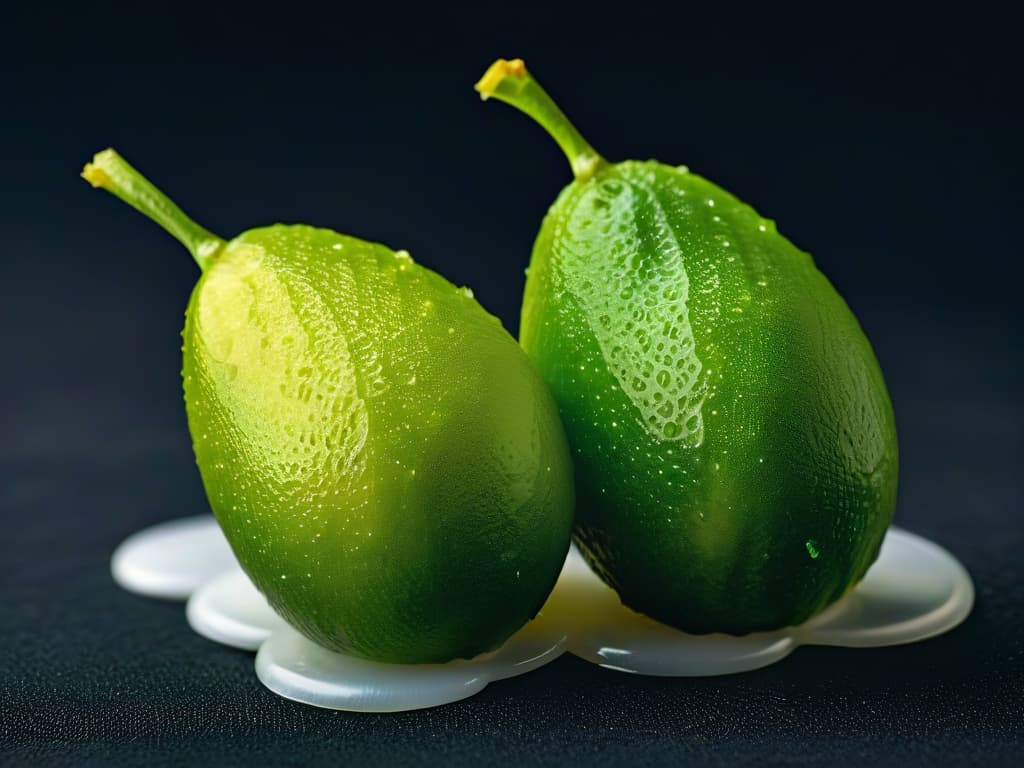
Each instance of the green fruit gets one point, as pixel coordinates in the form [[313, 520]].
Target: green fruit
[[386, 464], [733, 438]]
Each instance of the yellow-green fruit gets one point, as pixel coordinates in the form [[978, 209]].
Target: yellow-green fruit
[[387, 466], [734, 442]]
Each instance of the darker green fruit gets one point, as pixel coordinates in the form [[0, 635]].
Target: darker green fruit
[[733, 438]]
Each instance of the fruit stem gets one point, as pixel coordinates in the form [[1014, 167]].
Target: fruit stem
[[111, 172], [510, 82]]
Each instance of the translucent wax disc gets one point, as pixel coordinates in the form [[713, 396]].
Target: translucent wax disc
[[231, 611], [170, 560], [915, 590], [298, 669]]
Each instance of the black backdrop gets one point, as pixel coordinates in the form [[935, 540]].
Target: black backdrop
[[889, 147]]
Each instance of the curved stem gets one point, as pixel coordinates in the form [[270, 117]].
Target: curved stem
[[510, 82], [111, 172]]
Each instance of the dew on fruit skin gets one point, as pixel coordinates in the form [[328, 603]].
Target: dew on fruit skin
[[656, 292]]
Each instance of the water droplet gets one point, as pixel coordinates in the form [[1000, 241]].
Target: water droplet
[[403, 255], [612, 187]]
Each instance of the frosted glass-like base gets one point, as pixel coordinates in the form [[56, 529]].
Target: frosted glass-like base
[[298, 669], [915, 590], [172, 560]]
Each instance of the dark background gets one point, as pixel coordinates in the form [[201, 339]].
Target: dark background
[[888, 146]]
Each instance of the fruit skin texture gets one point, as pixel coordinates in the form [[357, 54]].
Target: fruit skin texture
[[384, 461], [734, 442]]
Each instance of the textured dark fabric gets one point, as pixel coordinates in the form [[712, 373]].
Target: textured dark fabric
[[891, 150]]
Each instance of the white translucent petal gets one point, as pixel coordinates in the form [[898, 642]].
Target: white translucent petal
[[171, 560], [230, 610], [298, 669]]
